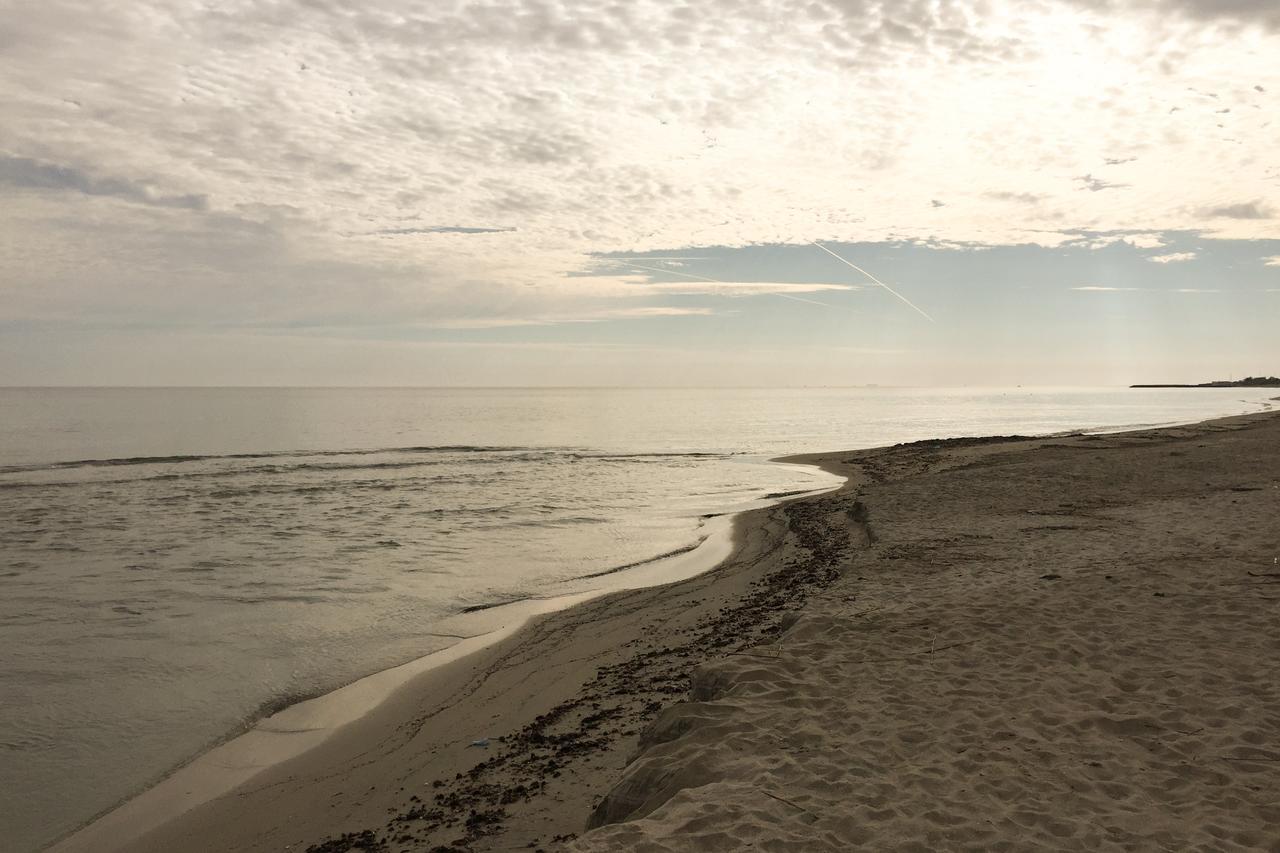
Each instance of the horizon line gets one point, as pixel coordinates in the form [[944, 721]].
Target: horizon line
[[859, 386]]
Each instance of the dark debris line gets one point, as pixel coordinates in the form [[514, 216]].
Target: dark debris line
[[615, 704]]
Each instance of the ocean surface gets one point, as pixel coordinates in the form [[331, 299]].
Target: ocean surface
[[176, 562]]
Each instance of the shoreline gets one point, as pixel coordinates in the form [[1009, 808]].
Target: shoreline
[[301, 726], [760, 541]]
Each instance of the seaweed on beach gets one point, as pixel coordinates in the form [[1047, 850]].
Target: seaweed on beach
[[619, 701]]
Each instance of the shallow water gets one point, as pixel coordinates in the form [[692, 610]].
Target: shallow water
[[176, 560]]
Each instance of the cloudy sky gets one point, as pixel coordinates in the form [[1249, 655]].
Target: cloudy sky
[[630, 191]]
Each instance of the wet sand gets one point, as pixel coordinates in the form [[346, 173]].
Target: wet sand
[[1063, 643]]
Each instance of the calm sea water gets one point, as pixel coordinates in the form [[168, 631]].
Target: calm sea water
[[175, 561]]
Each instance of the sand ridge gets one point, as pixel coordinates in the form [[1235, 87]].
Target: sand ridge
[[1061, 644]]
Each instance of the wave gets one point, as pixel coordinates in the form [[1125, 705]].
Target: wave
[[489, 605], [186, 459], [683, 549], [277, 454]]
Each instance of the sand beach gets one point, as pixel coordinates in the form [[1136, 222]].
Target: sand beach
[[1050, 643]]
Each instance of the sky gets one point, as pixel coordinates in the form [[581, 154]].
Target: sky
[[634, 192]]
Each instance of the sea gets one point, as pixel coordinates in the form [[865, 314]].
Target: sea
[[176, 563]]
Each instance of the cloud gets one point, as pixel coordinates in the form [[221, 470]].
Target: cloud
[[1099, 289], [672, 260], [1022, 198], [279, 159], [443, 229], [699, 284], [1103, 239], [1262, 12], [1094, 185], [1145, 241], [739, 288], [29, 174], [1172, 258], [1273, 261], [1242, 210], [1258, 12], [597, 316]]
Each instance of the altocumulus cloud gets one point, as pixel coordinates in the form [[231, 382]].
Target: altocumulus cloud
[[26, 173], [443, 229], [247, 162], [1242, 210], [1241, 13]]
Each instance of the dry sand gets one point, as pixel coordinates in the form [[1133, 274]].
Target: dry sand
[[1062, 643]]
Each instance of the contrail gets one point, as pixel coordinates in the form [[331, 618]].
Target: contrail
[[718, 281], [876, 280]]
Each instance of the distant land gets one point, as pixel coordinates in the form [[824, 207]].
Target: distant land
[[1247, 382]]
